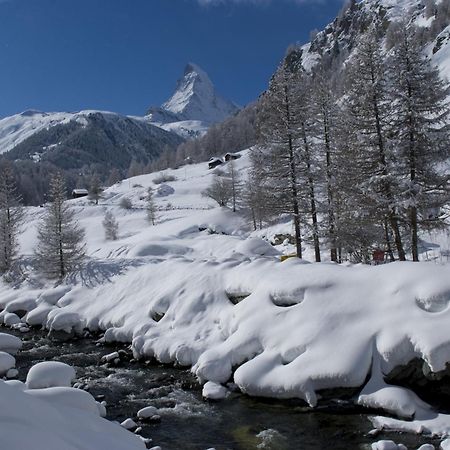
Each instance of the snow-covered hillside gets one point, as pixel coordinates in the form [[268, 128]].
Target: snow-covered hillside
[[19, 127], [340, 37], [200, 290], [194, 105]]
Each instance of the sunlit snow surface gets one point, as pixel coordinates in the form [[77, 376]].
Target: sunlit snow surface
[[197, 289]]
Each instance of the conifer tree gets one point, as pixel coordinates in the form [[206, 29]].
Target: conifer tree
[[111, 226], [60, 246], [368, 114], [421, 131], [150, 206], [278, 133], [11, 218]]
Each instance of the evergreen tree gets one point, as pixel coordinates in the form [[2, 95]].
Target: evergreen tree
[[151, 207], [11, 218], [111, 226], [278, 133], [420, 130], [60, 240], [368, 115], [235, 184]]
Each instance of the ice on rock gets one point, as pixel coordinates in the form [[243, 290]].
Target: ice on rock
[[147, 413], [50, 374], [427, 447], [129, 424], [10, 344], [7, 362], [387, 445]]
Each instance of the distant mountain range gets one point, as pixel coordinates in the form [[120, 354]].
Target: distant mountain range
[[100, 141]]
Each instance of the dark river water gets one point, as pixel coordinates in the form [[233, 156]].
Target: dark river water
[[187, 421]]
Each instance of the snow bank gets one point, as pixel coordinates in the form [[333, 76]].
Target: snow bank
[[39, 420]]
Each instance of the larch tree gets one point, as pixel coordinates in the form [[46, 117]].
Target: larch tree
[[368, 113], [95, 189], [220, 190], [420, 130], [278, 133], [324, 113], [11, 218], [60, 247], [233, 175]]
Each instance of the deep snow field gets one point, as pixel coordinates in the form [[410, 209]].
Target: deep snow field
[[201, 290]]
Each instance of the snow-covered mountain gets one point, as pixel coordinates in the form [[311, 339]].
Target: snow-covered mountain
[[194, 105], [337, 41], [81, 142]]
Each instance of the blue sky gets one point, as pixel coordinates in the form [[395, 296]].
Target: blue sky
[[125, 55]]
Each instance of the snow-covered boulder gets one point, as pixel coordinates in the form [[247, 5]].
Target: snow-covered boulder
[[256, 247], [10, 319], [387, 445], [214, 391], [50, 374], [10, 344], [7, 362], [147, 412]]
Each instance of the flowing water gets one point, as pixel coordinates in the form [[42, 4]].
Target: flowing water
[[190, 423]]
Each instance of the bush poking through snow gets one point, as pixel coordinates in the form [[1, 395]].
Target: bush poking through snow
[[126, 203], [164, 177]]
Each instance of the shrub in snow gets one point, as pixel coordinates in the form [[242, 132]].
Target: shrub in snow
[[126, 203], [164, 178], [50, 374]]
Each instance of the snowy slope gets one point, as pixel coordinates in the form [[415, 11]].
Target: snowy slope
[[19, 127], [342, 35]]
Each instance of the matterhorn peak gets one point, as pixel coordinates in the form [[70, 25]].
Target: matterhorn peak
[[195, 98]]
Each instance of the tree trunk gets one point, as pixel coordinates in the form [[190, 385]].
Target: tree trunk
[[312, 198]]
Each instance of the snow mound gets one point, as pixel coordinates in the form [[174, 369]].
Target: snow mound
[[50, 374], [41, 420], [7, 362], [10, 344]]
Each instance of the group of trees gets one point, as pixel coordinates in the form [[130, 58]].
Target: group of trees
[[355, 160], [60, 246]]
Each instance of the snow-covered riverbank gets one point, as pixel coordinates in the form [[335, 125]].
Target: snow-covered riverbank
[[198, 290]]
